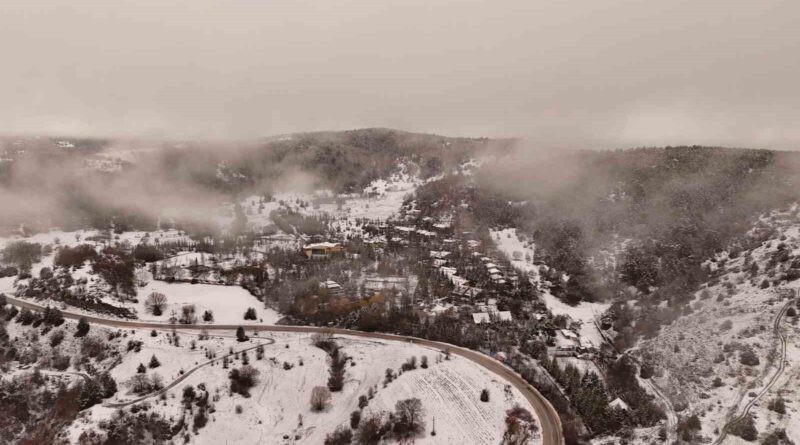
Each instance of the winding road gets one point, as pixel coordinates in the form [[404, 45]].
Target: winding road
[[781, 367], [552, 433]]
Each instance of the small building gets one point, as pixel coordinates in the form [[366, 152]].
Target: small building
[[467, 291], [332, 287], [619, 404], [489, 317], [322, 250], [481, 317], [504, 315]]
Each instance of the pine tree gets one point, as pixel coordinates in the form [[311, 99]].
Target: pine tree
[[141, 369], [240, 335], [154, 363], [83, 327]]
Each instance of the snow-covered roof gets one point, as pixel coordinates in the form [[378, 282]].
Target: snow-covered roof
[[467, 291], [486, 317], [569, 334], [619, 404], [456, 280], [330, 284], [324, 245], [439, 253], [405, 229], [504, 316], [438, 262], [448, 270], [426, 233], [480, 317]]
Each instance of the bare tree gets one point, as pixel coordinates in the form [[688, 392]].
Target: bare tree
[[320, 396], [188, 314], [142, 278], [408, 414], [155, 303]]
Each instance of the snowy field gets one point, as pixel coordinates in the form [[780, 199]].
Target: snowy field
[[227, 303], [449, 390]]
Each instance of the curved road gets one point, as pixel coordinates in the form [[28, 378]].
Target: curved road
[[548, 417], [781, 367]]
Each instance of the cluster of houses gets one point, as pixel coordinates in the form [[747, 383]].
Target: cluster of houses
[[478, 292]]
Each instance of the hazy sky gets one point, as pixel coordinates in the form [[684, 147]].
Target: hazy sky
[[597, 73]]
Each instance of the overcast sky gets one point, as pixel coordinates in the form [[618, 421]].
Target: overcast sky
[[582, 73]]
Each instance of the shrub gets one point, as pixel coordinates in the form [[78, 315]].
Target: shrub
[[74, 256], [745, 428], [371, 430], [243, 379], [748, 357], [341, 436], [83, 328], [250, 314], [778, 405], [56, 338], [320, 396], [484, 395], [520, 426], [355, 419], [777, 437]]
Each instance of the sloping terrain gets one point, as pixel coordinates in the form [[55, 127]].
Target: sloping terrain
[[723, 358]]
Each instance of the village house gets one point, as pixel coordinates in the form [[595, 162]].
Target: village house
[[466, 291], [332, 287], [489, 317], [618, 404], [322, 250]]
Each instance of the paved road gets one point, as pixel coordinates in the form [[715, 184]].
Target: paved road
[[776, 327], [548, 417]]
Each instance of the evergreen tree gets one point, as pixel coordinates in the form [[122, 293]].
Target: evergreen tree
[[240, 335], [154, 363], [83, 327]]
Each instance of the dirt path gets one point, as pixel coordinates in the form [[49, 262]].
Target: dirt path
[[183, 377], [552, 433], [778, 372]]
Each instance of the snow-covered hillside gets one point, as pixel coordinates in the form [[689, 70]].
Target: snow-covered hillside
[[723, 357], [278, 409]]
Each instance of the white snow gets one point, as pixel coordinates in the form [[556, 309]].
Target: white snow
[[449, 390]]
